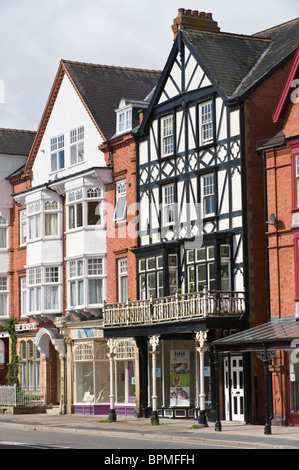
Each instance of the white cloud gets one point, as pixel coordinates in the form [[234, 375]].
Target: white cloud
[[36, 34]]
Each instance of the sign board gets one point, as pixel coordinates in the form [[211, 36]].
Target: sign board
[[26, 327]]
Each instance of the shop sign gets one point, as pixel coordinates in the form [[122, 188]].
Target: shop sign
[[2, 352], [26, 327], [179, 377], [90, 333]]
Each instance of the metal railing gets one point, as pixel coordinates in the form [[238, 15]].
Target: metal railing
[[16, 396], [175, 307]]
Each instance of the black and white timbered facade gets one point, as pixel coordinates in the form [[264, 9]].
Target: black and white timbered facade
[[194, 258]]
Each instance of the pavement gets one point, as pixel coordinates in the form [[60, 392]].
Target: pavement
[[233, 434]]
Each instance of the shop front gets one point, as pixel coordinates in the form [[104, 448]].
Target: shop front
[[275, 345]]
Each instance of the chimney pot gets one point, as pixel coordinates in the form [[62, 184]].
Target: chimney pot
[[192, 20]]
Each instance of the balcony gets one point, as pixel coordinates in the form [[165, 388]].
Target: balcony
[[195, 305]]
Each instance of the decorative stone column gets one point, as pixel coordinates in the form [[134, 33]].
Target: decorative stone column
[[154, 342], [201, 338], [112, 352]]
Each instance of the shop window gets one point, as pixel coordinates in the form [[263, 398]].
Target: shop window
[[91, 373]]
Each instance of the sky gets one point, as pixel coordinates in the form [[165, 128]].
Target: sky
[[36, 34]]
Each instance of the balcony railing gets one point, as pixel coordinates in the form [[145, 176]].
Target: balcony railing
[[176, 307]]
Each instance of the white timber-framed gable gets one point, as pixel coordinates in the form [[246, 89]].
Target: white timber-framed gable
[[202, 162]]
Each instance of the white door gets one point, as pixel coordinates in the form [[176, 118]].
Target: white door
[[234, 388]]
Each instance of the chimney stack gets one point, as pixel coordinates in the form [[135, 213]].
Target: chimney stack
[[193, 20]]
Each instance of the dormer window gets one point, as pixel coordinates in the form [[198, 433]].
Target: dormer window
[[124, 117]]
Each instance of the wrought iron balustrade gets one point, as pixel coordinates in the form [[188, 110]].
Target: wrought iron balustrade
[[175, 307]]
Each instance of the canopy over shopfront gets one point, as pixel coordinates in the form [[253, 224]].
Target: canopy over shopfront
[[264, 339], [276, 334]]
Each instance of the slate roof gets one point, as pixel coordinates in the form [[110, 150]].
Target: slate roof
[[237, 63], [16, 142], [102, 88]]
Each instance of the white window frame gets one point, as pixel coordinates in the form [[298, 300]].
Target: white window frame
[[167, 135], [124, 120], [206, 122], [34, 285], [120, 212], [23, 227], [4, 291], [51, 285], [23, 289], [4, 233], [51, 216], [75, 204], [208, 182], [57, 151], [95, 274], [168, 204], [225, 260], [94, 197], [76, 283], [77, 145], [122, 264]]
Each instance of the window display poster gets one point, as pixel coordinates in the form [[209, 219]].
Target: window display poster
[[179, 377]]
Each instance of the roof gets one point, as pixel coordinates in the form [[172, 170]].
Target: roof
[[276, 332], [101, 87], [236, 63], [16, 142], [277, 141], [287, 87]]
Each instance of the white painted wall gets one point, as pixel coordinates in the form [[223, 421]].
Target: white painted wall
[[68, 113]]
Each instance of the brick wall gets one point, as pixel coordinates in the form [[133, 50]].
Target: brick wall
[[121, 238], [259, 125]]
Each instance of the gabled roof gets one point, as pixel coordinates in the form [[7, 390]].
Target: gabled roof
[[100, 88], [16, 142], [237, 63], [287, 88]]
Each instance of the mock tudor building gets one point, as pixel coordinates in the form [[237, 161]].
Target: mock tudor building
[[14, 149], [201, 252], [60, 216]]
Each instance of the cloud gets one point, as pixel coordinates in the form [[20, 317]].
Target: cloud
[[135, 33]]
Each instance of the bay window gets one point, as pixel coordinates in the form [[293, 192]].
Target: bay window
[[95, 281], [51, 218], [75, 209], [34, 281], [34, 220], [94, 210], [52, 288], [151, 278], [76, 284], [23, 289]]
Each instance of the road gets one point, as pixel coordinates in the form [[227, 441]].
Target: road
[[15, 438]]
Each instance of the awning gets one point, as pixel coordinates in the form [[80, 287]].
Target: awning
[[276, 334]]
